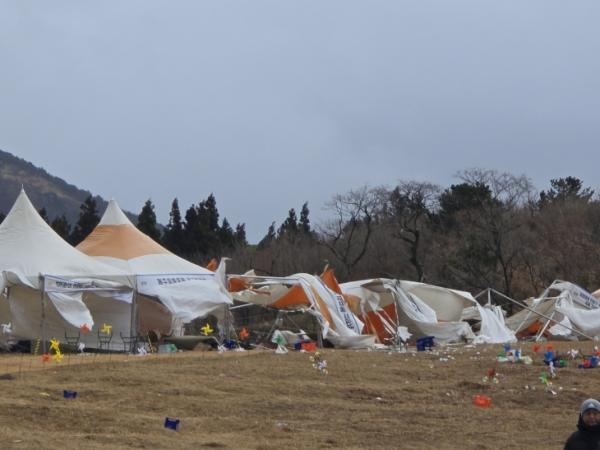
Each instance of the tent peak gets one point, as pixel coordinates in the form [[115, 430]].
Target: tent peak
[[114, 215]]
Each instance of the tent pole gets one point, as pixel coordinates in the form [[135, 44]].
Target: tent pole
[[319, 335], [481, 293], [543, 296], [397, 324], [541, 333], [133, 324], [228, 322], [276, 323], [43, 301]]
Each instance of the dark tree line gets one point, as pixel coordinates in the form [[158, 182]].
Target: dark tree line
[[199, 237], [488, 230]]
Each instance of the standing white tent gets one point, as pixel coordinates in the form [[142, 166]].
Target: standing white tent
[[36, 264], [186, 290]]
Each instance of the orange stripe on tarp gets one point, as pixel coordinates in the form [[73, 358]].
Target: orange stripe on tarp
[[331, 281], [374, 324], [324, 310], [237, 285], [293, 297], [297, 297], [119, 241]]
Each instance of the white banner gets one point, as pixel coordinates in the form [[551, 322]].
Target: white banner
[[578, 294], [346, 314], [147, 284], [58, 284], [341, 308], [54, 284]]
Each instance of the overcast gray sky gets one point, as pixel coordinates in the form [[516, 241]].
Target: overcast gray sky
[[268, 104]]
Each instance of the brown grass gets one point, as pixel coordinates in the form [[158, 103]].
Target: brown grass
[[260, 400]]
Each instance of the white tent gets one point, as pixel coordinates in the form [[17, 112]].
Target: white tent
[[185, 290], [426, 310], [574, 312], [36, 264]]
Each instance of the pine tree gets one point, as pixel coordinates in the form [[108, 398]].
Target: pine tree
[[147, 221], [208, 214], [226, 236], [208, 235], [304, 222], [563, 189], [240, 235], [290, 226], [44, 215], [191, 232], [269, 237], [173, 237], [88, 219], [62, 227]]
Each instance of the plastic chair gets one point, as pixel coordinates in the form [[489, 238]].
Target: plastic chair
[[104, 340], [73, 341], [129, 342]]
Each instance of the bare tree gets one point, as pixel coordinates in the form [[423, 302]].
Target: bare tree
[[412, 205], [347, 235]]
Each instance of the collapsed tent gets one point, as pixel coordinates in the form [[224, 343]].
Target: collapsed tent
[[37, 264], [573, 311], [184, 290], [307, 293], [425, 310]]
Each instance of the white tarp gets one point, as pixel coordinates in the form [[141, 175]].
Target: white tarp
[[180, 293], [586, 320], [574, 307], [578, 294], [345, 329], [421, 307], [67, 297], [493, 328]]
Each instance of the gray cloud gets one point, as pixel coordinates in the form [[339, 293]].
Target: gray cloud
[[268, 104]]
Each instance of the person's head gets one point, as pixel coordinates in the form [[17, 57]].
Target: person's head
[[590, 412]]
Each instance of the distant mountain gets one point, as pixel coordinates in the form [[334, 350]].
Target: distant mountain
[[43, 189]]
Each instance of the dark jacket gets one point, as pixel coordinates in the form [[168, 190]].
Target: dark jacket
[[585, 438]]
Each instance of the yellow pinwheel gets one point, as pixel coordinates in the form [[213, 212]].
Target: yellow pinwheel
[[58, 356], [55, 345], [206, 329], [106, 329]]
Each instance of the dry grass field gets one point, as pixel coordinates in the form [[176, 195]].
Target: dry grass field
[[261, 400]]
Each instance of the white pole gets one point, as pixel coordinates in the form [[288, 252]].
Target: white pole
[[43, 301], [133, 324]]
